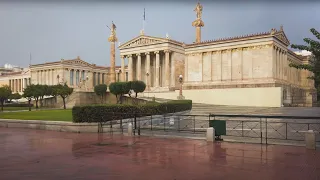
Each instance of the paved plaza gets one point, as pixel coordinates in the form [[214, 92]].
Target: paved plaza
[[36, 154]]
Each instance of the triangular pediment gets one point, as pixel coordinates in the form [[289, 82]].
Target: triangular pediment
[[76, 62], [282, 37], [142, 41]]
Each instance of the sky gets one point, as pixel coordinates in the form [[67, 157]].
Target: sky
[[51, 30]]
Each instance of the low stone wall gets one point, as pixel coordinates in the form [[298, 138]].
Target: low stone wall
[[52, 125]]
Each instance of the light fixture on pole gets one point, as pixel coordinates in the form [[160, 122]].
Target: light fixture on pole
[[180, 97], [148, 87]]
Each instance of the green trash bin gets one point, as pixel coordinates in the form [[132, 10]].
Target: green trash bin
[[219, 126]]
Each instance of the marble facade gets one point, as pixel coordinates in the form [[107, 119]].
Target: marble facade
[[153, 60], [76, 73], [251, 61]]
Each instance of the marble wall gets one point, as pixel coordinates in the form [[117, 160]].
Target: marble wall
[[230, 65]]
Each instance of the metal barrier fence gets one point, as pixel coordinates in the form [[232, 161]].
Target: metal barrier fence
[[241, 128]]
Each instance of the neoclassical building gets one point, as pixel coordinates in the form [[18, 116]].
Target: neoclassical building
[[77, 73], [249, 70]]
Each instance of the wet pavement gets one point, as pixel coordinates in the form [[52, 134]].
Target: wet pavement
[[36, 154]]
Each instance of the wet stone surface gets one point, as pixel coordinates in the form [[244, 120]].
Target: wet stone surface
[[36, 154]]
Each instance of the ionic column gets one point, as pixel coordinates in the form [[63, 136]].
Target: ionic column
[[23, 84], [157, 75], [278, 63], [274, 61], [138, 67], [148, 69], [75, 77], [130, 67], [52, 77], [173, 78], [123, 73], [37, 77], [167, 68], [12, 85], [281, 64]]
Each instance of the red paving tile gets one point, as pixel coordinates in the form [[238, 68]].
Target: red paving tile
[[35, 154]]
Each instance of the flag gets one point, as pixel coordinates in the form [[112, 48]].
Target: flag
[[144, 14]]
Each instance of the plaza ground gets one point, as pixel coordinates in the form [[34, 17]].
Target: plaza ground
[[36, 154]]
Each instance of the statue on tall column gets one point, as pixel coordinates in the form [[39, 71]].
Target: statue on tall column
[[198, 10], [113, 37]]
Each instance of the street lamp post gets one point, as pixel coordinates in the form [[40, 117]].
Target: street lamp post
[[148, 87], [180, 97]]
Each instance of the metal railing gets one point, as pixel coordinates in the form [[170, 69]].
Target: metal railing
[[242, 128]]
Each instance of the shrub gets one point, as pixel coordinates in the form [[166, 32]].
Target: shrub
[[108, 112], [119, 89], [138, 86], [101, 90]]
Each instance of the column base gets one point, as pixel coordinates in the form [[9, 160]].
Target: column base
[[180, 97]]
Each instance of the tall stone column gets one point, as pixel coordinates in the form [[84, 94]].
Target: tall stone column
[[278, 63], [123, 73], [167, 68], [130, 67], [148, 69], [112, 39], [157, 84], [138, 66], [173, 78], [23, 84], [274, 62]]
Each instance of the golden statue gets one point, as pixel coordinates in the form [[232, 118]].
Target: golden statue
[[113, 37], [198, 10]]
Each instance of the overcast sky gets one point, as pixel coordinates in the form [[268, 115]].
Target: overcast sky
[[51, 31]]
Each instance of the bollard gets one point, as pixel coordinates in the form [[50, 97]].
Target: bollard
[[210, 134], [129, 129], [310, 139]]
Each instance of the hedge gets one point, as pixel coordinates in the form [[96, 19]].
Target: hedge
[[104, 113], [17, 105]]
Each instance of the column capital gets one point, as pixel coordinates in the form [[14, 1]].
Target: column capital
[[167, 51], [156, 52], [147, 53], [122, 56], [138, 54], [129, 55]]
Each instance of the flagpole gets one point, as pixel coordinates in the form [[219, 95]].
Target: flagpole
[[144, 18]]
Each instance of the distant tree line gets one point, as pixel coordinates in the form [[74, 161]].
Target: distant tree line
[[37, 93]]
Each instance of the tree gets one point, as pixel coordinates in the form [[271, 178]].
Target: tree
[[119, 89], [312, 46], [138, 87], [37, 92], [28, 93], [44, 91], [5, 93], [101, 90], [64, 91], [15, 96]]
